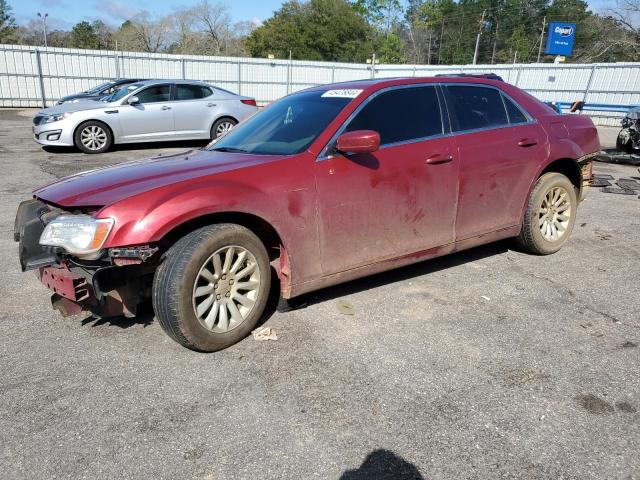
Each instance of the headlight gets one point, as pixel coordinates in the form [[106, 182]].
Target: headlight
[[57, 117], [77, 234]]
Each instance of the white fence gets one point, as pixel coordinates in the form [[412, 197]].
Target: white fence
[[33, 77]]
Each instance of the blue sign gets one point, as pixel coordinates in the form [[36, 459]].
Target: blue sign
[[560, 39]]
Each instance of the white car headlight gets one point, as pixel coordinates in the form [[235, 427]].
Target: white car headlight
[[57, 117], [77, 234]]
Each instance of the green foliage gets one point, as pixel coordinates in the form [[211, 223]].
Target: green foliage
[[317, 30], [87, 35], [7, 22]]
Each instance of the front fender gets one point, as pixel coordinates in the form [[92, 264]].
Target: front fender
[[146, 218]]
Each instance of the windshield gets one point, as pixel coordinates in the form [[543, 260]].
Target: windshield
[[100, 87], [123, 92], [284, 128]]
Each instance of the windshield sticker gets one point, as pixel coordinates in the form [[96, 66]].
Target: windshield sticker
[[343, 93]]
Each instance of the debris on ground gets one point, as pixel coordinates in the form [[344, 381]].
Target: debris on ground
[[485, 297], [614, 156], [344, 307], [264, 333], [620, 191]]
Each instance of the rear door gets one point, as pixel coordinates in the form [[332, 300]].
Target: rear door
[[398, 200], [194, 110], [500, 148], [151, 118]]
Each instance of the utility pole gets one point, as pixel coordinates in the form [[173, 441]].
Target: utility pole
[[475, 53], [44, 26], [544, 22], [495, 41]]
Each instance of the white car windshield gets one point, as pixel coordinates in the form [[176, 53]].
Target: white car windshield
[[123, 92]]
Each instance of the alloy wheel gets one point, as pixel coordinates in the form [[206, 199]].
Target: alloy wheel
[[226, 289], [554, 214], [93, 137], [224, 128]]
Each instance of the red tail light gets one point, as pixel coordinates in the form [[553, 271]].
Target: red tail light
[[251, 102]]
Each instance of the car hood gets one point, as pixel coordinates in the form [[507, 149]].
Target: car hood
[[84, 104], [108, 185]]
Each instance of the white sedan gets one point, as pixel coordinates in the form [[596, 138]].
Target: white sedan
[[147, 111]]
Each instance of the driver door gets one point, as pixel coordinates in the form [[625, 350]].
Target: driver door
[[149, 119], [398, 200]]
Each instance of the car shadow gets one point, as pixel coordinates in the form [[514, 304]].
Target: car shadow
[[124, 147], [403, 273], [383, 465], [145, 319]]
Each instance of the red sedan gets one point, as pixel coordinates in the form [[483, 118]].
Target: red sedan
[[324, 186]]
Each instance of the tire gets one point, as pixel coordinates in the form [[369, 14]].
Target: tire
[[222, 126], [181, 288], [93, 137], [537, 233]]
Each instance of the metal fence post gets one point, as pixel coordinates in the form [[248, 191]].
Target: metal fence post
[[239, 77], [289, 77], [182, 68], [117, 62], [517, 76], [333, 74], [41, 79], [589, 82]]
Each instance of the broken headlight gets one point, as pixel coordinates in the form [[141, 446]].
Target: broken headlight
[[79, 235]]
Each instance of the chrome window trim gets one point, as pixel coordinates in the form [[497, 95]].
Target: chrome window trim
[[324, 152], [443, 105]]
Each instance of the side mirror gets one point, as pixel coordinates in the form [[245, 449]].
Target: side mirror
[[133, 100], [358, 141]]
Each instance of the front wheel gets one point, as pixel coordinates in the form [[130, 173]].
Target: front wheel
[[550, 215], [93, 137], [212, 287]]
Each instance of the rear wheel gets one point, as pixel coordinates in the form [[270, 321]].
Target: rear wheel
[[93, 137], [222, 126], [550, 215], [212, 287]]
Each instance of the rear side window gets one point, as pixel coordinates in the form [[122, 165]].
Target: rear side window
[[400, 115], [192, 92], [514, 113], [476, 107]]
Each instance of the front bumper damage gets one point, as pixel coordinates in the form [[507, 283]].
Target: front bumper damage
[[114, 285]]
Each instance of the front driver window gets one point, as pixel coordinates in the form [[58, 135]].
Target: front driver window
[[155, 94], [401, 114]]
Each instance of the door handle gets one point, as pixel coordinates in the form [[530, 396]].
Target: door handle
[[211, 104], [437, 159], [166, 108], [527, 142]]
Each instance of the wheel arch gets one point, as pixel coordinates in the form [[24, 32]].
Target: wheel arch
[[221, 117], [264, 230], [569, 167]]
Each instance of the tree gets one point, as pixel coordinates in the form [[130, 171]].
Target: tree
[[318, 30], [83, 35], [7, 23], [145, 34]]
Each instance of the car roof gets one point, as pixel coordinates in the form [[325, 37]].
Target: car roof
[[379, 83], [170, 80]]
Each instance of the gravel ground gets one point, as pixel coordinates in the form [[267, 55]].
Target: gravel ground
[[485, 364]]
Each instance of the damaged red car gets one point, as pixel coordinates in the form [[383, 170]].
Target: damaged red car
[[324, 186]]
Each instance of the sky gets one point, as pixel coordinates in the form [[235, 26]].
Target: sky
[[63, 14]]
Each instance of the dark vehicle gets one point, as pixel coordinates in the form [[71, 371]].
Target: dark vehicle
[[628, 139], [99, 91], [323, 186]]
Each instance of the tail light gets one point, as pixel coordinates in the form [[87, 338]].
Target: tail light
[[249, 101]]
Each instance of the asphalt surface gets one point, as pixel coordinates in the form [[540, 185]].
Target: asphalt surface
[[485, 364]]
